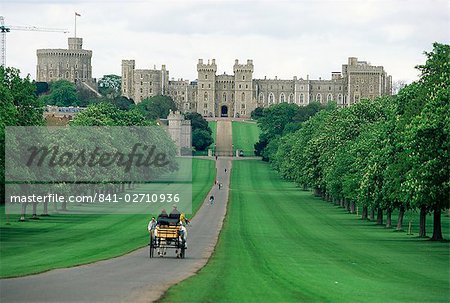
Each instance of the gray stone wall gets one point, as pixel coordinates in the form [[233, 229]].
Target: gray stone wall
[[72, 64], [237, 95]]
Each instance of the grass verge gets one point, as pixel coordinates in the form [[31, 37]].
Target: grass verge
[[280, 244], [65, 240], [245, 135]]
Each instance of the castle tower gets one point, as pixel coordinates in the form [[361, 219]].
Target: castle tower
[[206, 88], [72, 64], [243, 91], [128, 67]]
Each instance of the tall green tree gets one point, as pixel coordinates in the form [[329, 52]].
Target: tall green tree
[[157, 107], [18, 106], [110, 86], [62, 93]]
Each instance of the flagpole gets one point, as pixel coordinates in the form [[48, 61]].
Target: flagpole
[[75, 24]]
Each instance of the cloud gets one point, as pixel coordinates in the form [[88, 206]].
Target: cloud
[[284, 38]]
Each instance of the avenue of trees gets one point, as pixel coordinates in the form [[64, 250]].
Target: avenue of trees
[[387, 154]]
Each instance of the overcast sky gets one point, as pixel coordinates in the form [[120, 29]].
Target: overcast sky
[[284, 38]]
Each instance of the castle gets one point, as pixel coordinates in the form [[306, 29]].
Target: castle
[[72, 64], [213, 95], [237, 95]]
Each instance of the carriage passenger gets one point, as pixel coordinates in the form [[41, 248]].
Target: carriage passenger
[[162, 218]]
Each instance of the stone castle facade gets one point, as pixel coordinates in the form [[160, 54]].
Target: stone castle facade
[[237, 95], [72, 64]]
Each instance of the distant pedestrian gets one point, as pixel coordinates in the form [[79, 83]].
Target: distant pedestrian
[[216, 157], [220, 185], [211, 200], [225, 170]]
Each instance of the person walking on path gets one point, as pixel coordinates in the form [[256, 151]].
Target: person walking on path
[[211, 200]]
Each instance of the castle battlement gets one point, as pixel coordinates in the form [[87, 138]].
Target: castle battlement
[[212, 67], [237, 95]]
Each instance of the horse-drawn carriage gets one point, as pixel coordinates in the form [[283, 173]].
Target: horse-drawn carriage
[[170, 233]]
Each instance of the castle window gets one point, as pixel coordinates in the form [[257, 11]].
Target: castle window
[[271, 98], [291, 98], [142, 83], [141, 90], [224, 97], [246, 85], [67, 75], [202, 85], [282, 87], [240, 86], [232, 97], [124, 90], [142, 76], [301, 87], [340, 98], [206, 96], [243, 97], [340, 87], [261, 98], [209, 85], [370, 88], [282, 98], [242, 106], [329, 97], [329, 87], [319, 97], [224, 86], [151, 90], [206, 77], [243, 77], [302, 98], [205, 105], [318, 87]]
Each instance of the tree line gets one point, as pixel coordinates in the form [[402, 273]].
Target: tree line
[[22, 103], [386, 154]]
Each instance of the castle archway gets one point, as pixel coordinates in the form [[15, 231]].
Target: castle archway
[[224, 111]]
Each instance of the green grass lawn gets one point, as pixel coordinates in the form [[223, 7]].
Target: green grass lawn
[[64, 240], [280, 244], [245, 135]]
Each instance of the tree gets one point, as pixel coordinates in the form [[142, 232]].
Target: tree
[[428, 139], [257, 113], [201, 139], [110, 86], [62, 93], [18, 106], [201, 132], [157, 107]]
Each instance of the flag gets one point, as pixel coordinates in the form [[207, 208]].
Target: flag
[[77, 14]]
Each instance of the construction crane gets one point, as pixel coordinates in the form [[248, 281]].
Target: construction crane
[[7, 28]]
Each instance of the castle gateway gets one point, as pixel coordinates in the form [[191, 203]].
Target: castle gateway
[[237, 95]]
